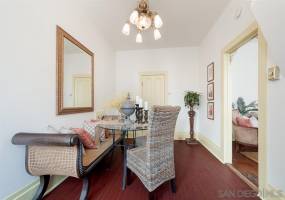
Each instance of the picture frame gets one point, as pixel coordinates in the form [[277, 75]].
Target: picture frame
[[211, 110], [211, 91], [211, 72]]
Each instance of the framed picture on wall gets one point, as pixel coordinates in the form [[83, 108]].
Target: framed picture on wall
[[210, 72], [211, 91], [211, 110]]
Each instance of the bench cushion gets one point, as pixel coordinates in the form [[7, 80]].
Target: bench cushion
[[92, 154]]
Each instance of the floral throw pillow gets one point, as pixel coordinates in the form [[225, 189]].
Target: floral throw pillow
[[235, 115], [85, 138], [253, 122], [92, 128], [244, 122]]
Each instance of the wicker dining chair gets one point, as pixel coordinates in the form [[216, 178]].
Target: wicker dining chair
[[154, 163]]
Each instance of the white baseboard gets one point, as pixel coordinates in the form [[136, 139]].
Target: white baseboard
[[180, 135], [208, 144], [183, 135], [212, 147], [28, 191]]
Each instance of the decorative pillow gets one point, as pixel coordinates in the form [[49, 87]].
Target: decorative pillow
[[85, 138], [90, 127], [244, 122], [253, 114], [97, 133], [235, 114], [253, 122]]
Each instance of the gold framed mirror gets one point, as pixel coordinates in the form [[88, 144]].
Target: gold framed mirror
[[75, 75]]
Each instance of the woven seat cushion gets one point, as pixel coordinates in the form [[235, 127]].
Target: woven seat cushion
[[141, 141], [92, 154]]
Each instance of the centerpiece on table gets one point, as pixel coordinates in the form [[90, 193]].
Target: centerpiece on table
[[127, 109], [191, 100]]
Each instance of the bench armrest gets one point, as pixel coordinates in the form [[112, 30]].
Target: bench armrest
[[45, 139]]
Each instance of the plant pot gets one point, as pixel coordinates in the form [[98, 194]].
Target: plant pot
[[191, 140]]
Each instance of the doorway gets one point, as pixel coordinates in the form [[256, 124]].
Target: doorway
[[250, 33], [243, 72], [153, 88]]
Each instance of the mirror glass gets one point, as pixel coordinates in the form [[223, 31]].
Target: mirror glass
[[77, 84], [75, 75]]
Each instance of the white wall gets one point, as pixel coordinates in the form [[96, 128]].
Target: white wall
[[244, 72], [224, 30], [270, 15], [182, 67], [28, 75], [275, 133]]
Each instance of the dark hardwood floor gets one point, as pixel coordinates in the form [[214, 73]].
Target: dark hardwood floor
[[199, 176], [245, 166]]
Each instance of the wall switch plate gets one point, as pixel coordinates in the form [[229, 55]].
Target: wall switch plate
[[273, 73]]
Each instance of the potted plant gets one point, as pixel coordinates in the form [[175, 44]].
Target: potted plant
[[246, 109], [191, 100]]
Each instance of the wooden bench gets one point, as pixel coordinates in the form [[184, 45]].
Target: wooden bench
[[61, 154]]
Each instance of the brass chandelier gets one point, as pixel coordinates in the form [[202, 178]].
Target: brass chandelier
[[143, 18]]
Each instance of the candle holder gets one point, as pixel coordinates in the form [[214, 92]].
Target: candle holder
[[145, 116], [140, 115], [137, 112]]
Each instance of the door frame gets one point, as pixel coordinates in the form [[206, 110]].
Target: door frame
[[251, 32], [155, 73]]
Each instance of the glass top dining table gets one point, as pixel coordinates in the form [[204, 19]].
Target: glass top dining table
[[121, 126], [118, 127]]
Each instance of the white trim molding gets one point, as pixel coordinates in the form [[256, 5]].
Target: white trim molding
[[212, 147], [226, 121], [28, 191]]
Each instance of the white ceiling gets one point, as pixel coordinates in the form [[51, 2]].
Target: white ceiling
[[186, 22]]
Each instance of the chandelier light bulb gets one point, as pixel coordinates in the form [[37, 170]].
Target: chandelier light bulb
[[144, 22], [134, 17], [157, 34], [157, 21], [126, 29], [139, 38]]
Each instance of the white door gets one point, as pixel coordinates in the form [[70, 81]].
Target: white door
[[153, 89], [82, 91]]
